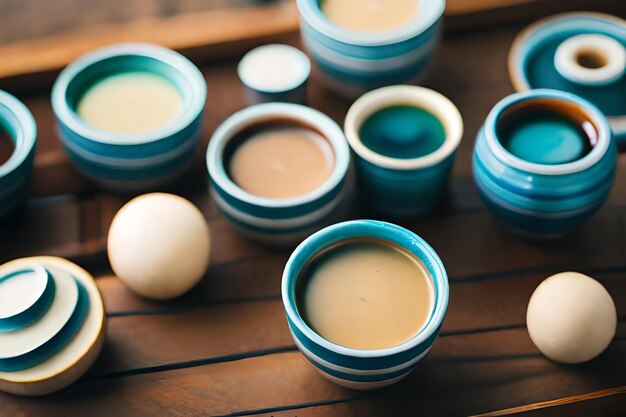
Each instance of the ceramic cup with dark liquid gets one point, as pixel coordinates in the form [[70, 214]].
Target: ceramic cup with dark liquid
[[18, 135], [544, 162], [365, 301], [404, 139]]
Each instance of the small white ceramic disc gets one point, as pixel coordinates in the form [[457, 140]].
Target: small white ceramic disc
[[274, 68], [571, 317], [608, 49], [22, 290], [71, 362], [25, 340]]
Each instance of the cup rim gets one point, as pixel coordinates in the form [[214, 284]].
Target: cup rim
[[25, 134], [430, 100], [501, 153], [359, 228], [68, 117], [259, 113], [426, 15]]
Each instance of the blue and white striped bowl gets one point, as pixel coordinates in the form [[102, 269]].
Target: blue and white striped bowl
[[353, 62], [17, 121], [540, 200], [356, 368], [130, 161], [280, 221]]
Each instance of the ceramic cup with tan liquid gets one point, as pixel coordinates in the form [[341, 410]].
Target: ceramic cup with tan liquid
[[362, 45], [364, 301], [279, 171]]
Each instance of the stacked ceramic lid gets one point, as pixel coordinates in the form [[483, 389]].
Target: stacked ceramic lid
[[51, 324], [582, 53]]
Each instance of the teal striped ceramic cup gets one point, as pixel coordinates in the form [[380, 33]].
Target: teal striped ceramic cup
[[364, 368], [544, 162], [132, 159], [354, 60], [284, 220], [404, 139], [17, 123]]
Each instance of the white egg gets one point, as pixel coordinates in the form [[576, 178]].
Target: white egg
[[571, 317], [159, 245]]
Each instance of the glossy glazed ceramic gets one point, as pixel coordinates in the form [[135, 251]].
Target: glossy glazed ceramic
[[40, 294], [353, 62], [280, 221], [355, 368], [544, 56], [287, 67], [15, 173], [130, 161], [404, 187], [542, 200], [71, 350]]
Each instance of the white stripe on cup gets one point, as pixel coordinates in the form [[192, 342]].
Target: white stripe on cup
[[360, 385], [293, 222], [137, 163], [352, 371], [370, 65]]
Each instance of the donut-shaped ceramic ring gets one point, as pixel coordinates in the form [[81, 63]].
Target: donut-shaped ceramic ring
[[590, 59]]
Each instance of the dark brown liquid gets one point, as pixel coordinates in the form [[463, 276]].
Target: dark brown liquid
[[547, 131], [590, 59], [6, 146]]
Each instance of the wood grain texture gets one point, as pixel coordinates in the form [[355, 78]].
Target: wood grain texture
[[224, 349], [561, 402], [36, 42]]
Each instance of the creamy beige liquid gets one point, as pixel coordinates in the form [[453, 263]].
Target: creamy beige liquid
[[366, 294], [130, 103], [282, 163], [370, 15]]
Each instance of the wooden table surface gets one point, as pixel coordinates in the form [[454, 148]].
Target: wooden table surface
[[224, 348]]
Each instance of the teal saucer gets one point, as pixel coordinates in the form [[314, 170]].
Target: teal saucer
[[580, 53]]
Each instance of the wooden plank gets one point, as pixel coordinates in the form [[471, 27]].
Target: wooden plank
[[501, 363], [489, 249], [198, 34], [578, 401], [210, 329], [213, 33], [191, 335]]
